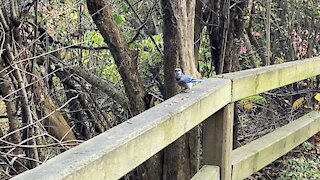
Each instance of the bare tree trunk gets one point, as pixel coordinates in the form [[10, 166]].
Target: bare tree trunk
[[212, 17], [224, 29], [126, 61], [268, 33], [226, 38], [12, 114], [197, 30], [125, 58], [248, 45], [56, 123], [181, 159], [171, 54], [258, 45]]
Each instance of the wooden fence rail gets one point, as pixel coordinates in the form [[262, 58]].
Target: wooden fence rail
[[114, 153]]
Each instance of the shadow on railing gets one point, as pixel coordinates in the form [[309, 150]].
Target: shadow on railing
[[114, 153]]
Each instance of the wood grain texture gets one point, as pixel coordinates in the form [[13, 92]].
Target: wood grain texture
[[217, 140], [259, 153], [254, 81], [114, 153], [207, 172]]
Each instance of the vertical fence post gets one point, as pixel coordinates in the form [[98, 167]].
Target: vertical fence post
[[217, 140]]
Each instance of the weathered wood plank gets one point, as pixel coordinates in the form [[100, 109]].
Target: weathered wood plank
[[254, 81], [114, 153], [207, 172], [257, 154], [217, 140]]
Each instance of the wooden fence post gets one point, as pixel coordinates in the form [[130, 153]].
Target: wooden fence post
[[217, 140]]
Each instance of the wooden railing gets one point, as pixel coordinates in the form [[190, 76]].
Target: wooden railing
[[119, 150]]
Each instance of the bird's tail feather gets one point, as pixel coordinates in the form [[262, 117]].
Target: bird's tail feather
[[197, 80]]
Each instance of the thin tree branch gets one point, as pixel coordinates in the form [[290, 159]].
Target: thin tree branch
[[143, 24], [147, 30], [89, 48]]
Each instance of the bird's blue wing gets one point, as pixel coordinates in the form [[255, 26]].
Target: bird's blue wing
[[187, 79]]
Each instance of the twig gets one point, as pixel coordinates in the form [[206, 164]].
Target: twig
[[31, 124], [36, 81], [38, 56], [89, 48], [156, 96], [61, 140], [141, 22], [21, 157]]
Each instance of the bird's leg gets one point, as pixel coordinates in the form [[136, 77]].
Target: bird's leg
[[185, 90]]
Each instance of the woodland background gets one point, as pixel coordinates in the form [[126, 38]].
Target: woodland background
[[71, 69]]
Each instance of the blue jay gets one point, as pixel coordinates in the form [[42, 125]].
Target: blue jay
[[185, 80]]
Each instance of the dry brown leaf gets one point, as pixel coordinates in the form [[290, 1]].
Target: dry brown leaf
[[297, 103]]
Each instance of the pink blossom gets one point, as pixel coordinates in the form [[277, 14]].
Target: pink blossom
[[256, 34]]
